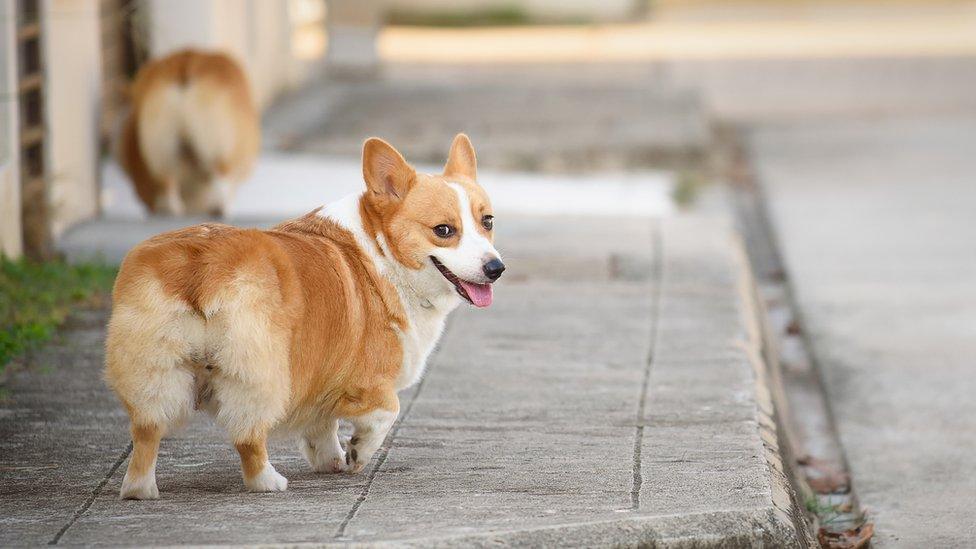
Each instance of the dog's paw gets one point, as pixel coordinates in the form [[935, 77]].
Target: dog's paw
[[323, 460], [356, 459], [268, 480], [335, 464], [139, 488]]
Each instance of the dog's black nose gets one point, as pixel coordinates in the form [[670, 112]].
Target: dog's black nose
[[494, 269]]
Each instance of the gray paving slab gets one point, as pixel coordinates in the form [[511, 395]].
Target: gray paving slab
[[551, 118], [608, 397], [60, 435], [876, 223], [790, 87]]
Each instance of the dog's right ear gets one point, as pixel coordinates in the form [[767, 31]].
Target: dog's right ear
[[387, 174], [461, 160]]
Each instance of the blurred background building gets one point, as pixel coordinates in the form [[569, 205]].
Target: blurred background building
[[64, 69], [540, 85]]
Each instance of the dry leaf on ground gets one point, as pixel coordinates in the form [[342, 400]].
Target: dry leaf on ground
[[856, 538]]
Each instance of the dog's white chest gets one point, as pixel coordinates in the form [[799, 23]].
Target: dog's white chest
[[424, 330]]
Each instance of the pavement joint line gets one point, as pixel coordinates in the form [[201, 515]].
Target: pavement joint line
[[91, 499], [656, 279], [385, 450]]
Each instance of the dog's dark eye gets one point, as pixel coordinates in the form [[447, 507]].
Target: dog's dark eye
[[488, 222], [444, 231]]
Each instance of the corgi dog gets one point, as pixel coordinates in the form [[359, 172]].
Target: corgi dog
[[320, 319], [192, 133]]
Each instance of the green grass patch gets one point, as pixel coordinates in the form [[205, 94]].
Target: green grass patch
[[492, 16], [35, 298], [687, 188]]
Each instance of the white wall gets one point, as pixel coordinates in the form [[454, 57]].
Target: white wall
[[10, 234], [256, 32], [72, 57]]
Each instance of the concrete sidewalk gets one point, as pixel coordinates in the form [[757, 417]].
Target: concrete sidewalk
[[611, 395], [876, 220]]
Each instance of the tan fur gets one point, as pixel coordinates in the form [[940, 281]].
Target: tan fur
[[145, 445], [291, 327], [424, 202], [192, 132]]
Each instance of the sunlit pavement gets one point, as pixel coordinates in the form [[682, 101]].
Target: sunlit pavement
[[608, 396], [876, 224], [881, 30]]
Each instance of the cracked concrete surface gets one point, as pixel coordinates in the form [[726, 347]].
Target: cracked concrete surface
[[541, 420]]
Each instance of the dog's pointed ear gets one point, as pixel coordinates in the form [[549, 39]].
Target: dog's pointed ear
[[461, 159], [385, 171]]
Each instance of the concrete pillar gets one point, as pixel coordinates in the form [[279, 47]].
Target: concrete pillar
[[10, 236], [73, 77], [353, 26], [256, 32]]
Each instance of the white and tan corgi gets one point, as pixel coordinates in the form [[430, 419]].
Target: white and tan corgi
[[192, 134], [323, 318]]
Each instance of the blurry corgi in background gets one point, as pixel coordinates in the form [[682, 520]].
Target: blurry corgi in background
[[192, 134]]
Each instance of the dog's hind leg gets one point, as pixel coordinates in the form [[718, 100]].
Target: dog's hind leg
[[249, 408], [168, 199], [259, 474], [140, 477], [148, 339], [156, 403], [251, 378]]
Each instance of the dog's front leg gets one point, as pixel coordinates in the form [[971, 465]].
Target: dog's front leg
[[321, 448], [370, 431]]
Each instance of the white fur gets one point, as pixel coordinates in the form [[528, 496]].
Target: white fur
[[268, 480], [143, 487], [161, 392], [426, 296], [175, 113], [169, 201], [251, 383], [370, 431], [468, 258], [322, 449], [173, 116], [163, 335]]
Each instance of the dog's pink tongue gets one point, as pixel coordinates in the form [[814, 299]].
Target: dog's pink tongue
[[480, 294]]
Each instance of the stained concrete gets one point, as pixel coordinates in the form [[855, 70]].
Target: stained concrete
[[609, 396]]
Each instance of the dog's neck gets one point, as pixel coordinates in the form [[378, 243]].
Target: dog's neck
[[418, 295]]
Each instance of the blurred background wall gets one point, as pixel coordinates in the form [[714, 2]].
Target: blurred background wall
[[10, 233], [65, 66], [64, 69]]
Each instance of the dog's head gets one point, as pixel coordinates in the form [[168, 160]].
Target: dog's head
[[440, 227]]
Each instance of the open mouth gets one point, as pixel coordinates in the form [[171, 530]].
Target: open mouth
[[474, 293]]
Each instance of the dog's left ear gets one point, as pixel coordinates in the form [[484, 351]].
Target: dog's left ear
[[461, 160], [387, 174]]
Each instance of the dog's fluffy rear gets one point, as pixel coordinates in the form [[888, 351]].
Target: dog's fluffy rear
[[192, 134]]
